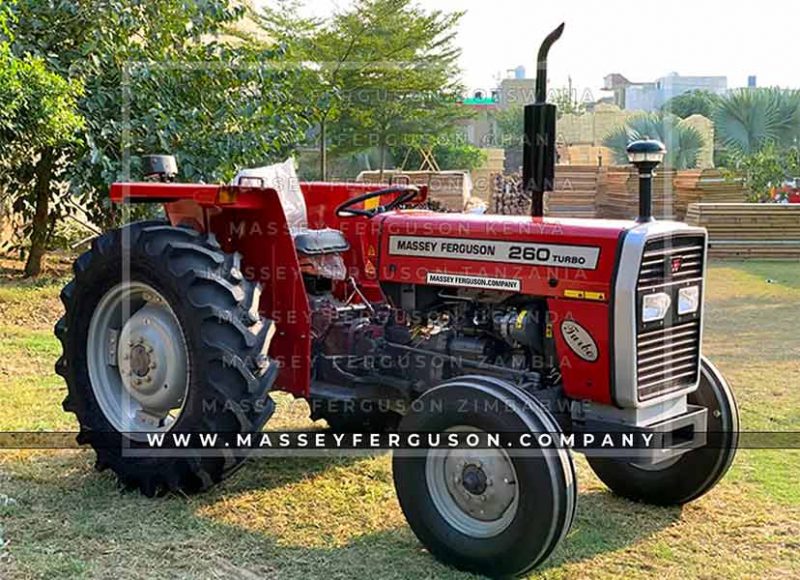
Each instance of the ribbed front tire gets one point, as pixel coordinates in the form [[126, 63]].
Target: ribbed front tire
[[485, 511], [228, 372], [694, 473]]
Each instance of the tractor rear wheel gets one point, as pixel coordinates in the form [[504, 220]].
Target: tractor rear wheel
[[692, 474], [162, 333], [489, 511]]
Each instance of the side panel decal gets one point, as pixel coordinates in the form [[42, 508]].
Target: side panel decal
[[466, 281], [565, 256]]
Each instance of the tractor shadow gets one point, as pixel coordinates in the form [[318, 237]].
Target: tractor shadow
[[606, 523], [267, 522]]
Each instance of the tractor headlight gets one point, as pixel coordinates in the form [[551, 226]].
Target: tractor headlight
[[655, 306], [688, 300]]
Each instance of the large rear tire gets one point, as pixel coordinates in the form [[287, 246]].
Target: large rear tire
[[694, 473], [487, 511], [162, 333]]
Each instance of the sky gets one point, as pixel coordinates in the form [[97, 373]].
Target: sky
[[640, 39]]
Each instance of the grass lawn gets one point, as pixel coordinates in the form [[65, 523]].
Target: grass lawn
[[338, 518]]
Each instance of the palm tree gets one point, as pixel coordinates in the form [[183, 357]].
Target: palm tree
[[683, 142], [747, 120]]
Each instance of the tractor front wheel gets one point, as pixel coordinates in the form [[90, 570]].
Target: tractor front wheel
[[488, 511], [161, 334], [692, 474]]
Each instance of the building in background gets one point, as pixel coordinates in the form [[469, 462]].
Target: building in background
[[650, 96]]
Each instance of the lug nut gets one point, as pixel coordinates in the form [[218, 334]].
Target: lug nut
[[152, 365]]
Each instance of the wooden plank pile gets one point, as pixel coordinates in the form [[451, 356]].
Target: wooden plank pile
[[673, 191], [620, 197], [574, 195], [575, 191], [749, 230], [714, 187]]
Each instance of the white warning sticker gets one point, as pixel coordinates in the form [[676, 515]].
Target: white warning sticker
[[565, 256], [467, 281]]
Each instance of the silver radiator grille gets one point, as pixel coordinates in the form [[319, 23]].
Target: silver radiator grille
[[668, 351]]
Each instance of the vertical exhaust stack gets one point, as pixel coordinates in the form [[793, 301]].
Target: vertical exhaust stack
[[646, 154], [539, 148]]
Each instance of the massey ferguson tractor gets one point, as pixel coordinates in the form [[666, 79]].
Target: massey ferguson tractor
[[350, 298]]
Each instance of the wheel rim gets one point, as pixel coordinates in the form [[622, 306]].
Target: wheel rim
[[475, 491], [137, 359]]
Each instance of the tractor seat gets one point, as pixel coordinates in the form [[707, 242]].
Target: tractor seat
[[283, 179], [317, 242]]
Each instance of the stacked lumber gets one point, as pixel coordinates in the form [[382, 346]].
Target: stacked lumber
[[749, 230], [574, 191], [574, 195], [714, 187], [673, 191], [620, 195], [616, 199]]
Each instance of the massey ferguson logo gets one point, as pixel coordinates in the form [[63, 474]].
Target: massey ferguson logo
[[675, 264]]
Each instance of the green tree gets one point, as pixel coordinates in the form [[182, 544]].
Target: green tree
[[765, 169], [451, 151], [747, 120], [161, 76], [697, 102], [566, 101], [384, 70], [683, 143], [39, 116]]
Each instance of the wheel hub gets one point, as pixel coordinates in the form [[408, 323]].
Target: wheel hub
[[474, 490], [151, 361], [473, 479], [140, 361], [137, 359]]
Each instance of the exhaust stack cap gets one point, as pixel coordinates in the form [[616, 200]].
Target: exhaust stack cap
[[646, 154]]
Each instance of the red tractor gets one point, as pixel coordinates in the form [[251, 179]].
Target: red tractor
[[348, 297]]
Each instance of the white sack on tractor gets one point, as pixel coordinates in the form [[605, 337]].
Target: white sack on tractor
[[281, 177]]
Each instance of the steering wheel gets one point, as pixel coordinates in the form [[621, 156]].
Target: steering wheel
[[406, 194]]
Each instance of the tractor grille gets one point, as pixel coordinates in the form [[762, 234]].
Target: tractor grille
[[668, 351]]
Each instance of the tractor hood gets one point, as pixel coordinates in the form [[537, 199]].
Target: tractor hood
[[539, 256]]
